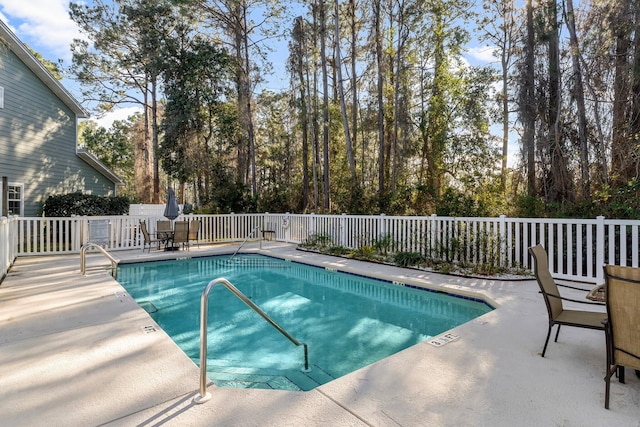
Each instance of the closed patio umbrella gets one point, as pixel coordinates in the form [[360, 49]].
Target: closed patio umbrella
[[171, 210]]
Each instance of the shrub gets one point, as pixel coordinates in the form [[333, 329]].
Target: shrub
[[67, 205], [487, 269], [337, 250], [383, 243], [406, 259], [317, 241], [444, 267], [365, 252]]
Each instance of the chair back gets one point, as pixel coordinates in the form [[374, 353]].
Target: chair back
[[194, 228], [545, 281], [145, 232], [622, 289], [180, 232], [163, 225]]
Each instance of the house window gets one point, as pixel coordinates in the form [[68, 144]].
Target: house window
[[15, 199]]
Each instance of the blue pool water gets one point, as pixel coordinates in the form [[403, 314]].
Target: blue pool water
[[347, 321]]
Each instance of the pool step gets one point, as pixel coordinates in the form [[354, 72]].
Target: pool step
[[287, 379]]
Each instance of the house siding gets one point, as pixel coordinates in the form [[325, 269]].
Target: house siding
[[38, 139]]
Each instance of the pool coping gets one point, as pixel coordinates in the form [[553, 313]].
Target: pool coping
[[73, 352]]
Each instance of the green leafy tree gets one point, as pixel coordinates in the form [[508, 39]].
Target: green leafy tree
[[121, 63], [195, 75], [53, 68], [113, 147]]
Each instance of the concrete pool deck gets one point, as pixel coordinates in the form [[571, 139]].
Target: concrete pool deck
[[77, 351]]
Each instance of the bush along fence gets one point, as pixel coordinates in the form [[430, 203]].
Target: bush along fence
[[577, 248]]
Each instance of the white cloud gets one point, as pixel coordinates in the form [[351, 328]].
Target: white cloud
[[120, 114], [45, 25], [482, 53]]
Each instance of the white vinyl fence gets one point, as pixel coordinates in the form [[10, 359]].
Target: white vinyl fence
[[8, 244], [577, 248]]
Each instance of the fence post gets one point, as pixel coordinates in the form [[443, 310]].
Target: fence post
[[312, 225], [343, 230], [232, 228], [432, 236], [502, 236], [77, 233], [600, 249], [287, 232]]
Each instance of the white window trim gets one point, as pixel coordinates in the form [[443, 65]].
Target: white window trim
[[1, 97], [17, 184]]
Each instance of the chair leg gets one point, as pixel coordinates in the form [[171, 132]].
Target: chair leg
[[610, 371], [558, 333], [544, 349], [607, 386]]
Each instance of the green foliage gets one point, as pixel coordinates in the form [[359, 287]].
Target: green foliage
[[616, 202], [383, 243], [444, 267], [318, 241], [365, 252], [529, 207], [338, 250], [51, 66], [187, 209], [619, 202], [487, 269], [114, 147], [67, 205], [231, 197], [455, 203], [195, 74], [408, 259]]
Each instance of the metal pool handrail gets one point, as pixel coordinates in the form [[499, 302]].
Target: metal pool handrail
[[244, 241], [83, 256], [204, 309]]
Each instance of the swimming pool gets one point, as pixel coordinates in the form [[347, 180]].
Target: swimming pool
[[347, 321]]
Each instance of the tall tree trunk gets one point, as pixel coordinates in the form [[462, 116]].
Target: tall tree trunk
[[299, 37], [619, 141], [396, 92], [313, 114], [580, 103], [380, 96], [437, 123], [354, 75], [243, 94], [325, 106], [248, 100], [557, 191], [505, 120], [634, 122], [506, 42], [528, 104], [154, 140], [343, 105], [143, 162]]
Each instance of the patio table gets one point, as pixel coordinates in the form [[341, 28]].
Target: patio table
[[166, 237]]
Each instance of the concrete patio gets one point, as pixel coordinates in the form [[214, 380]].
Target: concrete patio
[[78, 351]]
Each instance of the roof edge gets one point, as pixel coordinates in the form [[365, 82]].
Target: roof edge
[[95, 163], [21, 51]]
